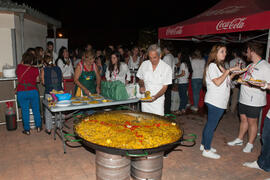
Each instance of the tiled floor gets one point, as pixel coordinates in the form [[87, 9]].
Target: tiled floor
[[39, 157]]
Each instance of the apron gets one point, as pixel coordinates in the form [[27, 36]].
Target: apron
[[152, 83], [88, 80]]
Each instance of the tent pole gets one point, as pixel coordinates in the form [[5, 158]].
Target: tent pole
[[267, 49]]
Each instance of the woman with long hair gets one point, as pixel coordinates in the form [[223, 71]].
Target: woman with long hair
[[64, 63], [117, 70], [217, 80]]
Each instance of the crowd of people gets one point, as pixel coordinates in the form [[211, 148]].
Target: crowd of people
[[159, 71]]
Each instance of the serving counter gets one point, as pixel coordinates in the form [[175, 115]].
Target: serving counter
[[59, 110]]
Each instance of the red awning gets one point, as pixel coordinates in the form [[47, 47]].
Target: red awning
[[225, 17]]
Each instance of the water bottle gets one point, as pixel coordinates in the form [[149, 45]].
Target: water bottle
[[11, 123]]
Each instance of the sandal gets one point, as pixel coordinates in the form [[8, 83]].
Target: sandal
[[26, 132]]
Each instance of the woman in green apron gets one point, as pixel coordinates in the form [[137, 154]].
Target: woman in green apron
[[87, 78]]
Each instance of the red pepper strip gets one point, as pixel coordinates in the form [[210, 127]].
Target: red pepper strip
[[137, 135], [133, 128], [158, 125], [127, 123], [93, 120], [147, 126], [140, 141], [104, 123]]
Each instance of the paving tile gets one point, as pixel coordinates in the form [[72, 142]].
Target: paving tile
[[39, 157]]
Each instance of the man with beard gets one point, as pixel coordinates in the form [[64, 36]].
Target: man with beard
[[252, 99]]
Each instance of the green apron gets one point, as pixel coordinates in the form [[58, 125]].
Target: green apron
[[88, 80]]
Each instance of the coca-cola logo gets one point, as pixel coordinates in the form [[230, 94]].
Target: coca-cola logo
[[237, 23], [227, 10], [174, 31]]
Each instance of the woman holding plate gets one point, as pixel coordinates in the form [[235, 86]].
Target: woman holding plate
[[217, 80]]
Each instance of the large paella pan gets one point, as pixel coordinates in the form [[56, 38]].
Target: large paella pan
[[128, 133]]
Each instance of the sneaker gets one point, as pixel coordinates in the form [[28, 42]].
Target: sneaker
[[236, 142], [194, 108], [210, 154], [26, 132], [212, 149], [248, 148], [253, 164]]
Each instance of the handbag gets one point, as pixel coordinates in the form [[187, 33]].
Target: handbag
[[21, 78]]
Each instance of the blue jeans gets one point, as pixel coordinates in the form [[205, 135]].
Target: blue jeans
[[196, 88], [214, 115], [26, 98], [182, 89], [264, 158]]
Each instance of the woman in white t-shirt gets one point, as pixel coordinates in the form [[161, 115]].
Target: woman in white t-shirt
[[217, 80], [134, 60], [117, 70], [182, 81]]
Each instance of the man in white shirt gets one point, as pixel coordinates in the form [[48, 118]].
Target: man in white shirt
[[252, 99], [50, 48], [154, 76], [197, 63], [168, 59]]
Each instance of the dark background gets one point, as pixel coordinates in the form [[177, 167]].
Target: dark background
[[115, 22]]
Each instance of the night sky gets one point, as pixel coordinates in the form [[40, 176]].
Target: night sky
[[112, 22]]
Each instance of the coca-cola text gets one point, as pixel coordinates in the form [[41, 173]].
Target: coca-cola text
[[237, 23]]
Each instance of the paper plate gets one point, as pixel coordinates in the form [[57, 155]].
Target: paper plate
[[63, 103], [145, 100]]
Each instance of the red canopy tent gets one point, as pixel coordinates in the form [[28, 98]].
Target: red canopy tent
[[227, 16]]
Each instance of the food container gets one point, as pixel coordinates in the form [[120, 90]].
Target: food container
[[9, 72], [65, 96]]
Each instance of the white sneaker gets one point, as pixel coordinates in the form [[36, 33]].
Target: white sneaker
[[194, 108], [252, 165], [236, 142], [210, 154], [212, 149], [248, 148]]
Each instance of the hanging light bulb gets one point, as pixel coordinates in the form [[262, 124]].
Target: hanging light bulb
[[60, 35]]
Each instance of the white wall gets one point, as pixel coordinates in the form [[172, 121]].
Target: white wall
[[7, 23], [34, 35], [6, 56]]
